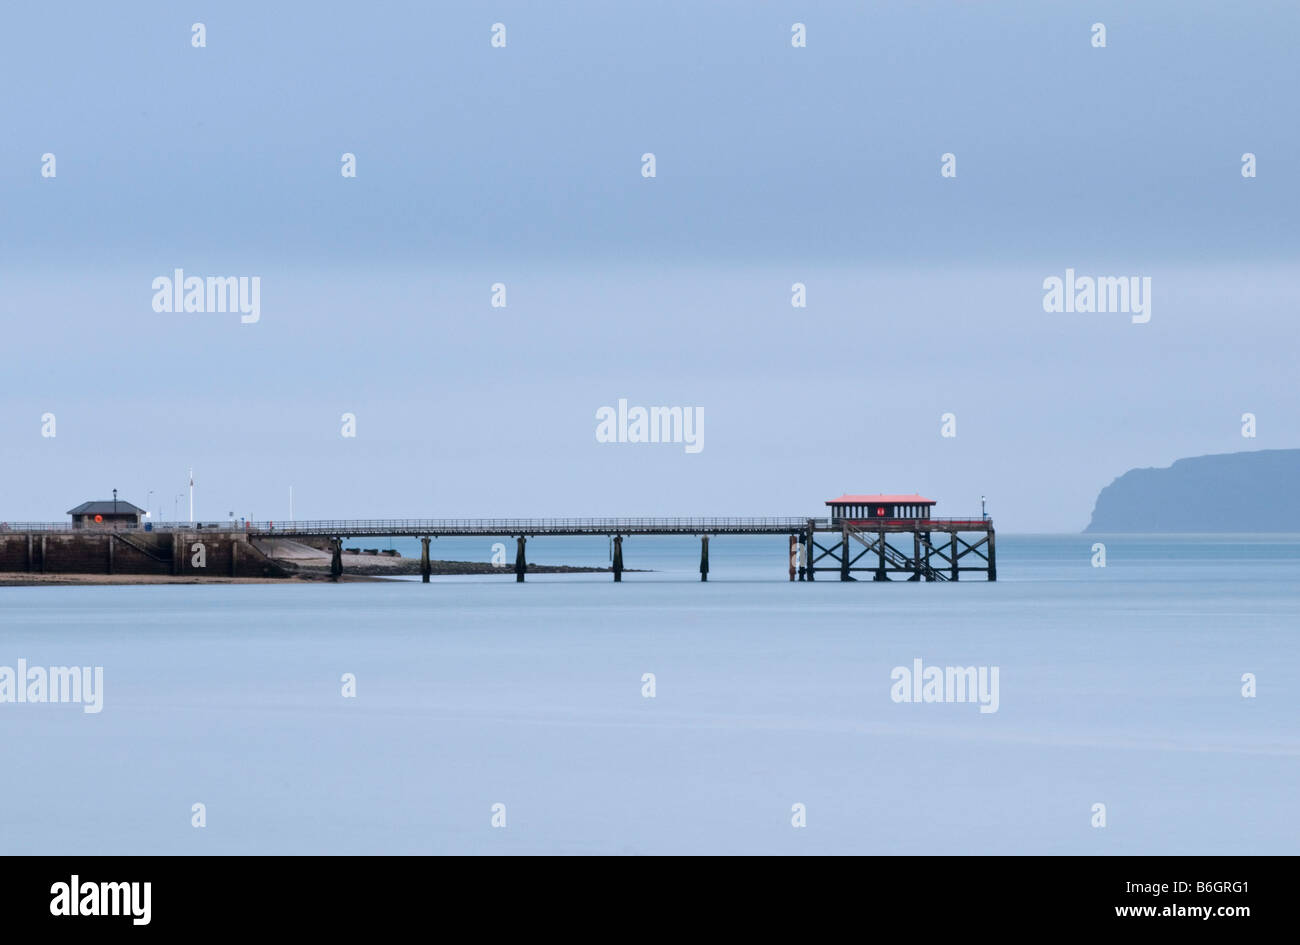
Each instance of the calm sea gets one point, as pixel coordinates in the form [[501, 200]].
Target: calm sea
[[1120, 686]]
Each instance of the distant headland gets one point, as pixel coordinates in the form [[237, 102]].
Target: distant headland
[[1226, 492]]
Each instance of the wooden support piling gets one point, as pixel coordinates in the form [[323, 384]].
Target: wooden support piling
[[521, 562], [704, 557], [844, 554], [618, 557], [794, 557], [424, 560], [993, 559], [812, 551], [336, 558]]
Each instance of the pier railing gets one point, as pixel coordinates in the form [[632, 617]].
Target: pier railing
[[910, 524], [451, 526], [716, 525], [536, 526]]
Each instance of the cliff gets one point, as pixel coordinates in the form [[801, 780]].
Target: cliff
[[1230, 492]]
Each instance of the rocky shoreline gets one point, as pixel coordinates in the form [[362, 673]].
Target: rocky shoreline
[[369, 565], [307, 556], [354, 569]]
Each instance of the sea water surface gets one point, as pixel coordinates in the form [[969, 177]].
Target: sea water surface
[[1119, 686]]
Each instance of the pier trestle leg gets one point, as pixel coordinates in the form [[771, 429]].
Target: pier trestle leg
[[424, 560], [704, 557], [521, 561], [336, 558], [618, 557]]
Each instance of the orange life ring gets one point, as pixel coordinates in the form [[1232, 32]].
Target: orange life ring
[[99, 519]]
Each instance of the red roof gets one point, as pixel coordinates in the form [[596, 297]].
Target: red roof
[[883, 499]]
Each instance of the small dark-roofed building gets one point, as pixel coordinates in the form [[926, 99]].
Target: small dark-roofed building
[[106, 513], [879, 507]]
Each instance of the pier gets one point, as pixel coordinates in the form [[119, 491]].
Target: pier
[[884, 537]]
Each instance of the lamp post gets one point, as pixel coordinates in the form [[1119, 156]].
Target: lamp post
[[115, 508], [983, 514]]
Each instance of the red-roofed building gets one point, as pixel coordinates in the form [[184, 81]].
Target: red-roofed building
[[877, 507]]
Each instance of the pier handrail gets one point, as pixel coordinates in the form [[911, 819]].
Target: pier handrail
[[520, 526], [511, 525], [530, 526], [531, 522]]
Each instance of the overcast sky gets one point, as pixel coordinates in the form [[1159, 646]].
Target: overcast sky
[[523, 165]]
